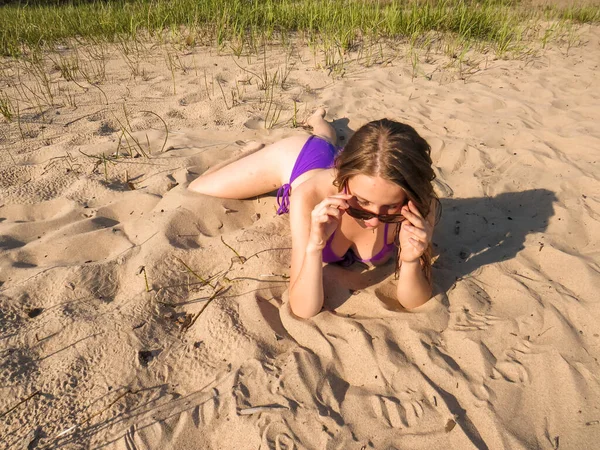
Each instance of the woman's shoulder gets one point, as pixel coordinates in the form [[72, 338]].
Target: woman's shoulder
[[316, 188]]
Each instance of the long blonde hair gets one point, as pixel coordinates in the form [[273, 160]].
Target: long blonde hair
[[395, 152]]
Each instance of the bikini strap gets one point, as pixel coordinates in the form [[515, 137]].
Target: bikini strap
[[283, 199]]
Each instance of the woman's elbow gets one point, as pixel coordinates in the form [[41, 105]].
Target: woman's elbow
[[411, 306], [301, 308], [414, 302], [196, 185], [302, 312]]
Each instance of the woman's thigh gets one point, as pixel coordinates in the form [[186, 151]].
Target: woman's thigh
[[255, 174]]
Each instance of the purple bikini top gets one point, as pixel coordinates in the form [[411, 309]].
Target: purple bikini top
[[350, 257]]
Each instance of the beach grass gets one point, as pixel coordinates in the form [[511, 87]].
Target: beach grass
[[75, 39], [30, 25], [581, 14]]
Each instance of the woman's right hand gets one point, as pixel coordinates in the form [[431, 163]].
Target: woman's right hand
[[325, 218]]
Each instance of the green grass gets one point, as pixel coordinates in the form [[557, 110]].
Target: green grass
[[582, 14], [25, 26]]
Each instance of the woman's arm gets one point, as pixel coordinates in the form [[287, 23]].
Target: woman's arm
[[312, 223], [306, 272], [414, 289]]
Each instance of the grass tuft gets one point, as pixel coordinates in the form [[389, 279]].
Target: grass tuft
[[234, 23]]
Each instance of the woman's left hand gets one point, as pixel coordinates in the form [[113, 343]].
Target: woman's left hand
[[415, 234]]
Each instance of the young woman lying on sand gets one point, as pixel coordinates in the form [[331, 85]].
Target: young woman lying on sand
[[344, 202]]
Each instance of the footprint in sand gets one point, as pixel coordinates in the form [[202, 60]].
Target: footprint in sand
[[129, 438], [511, 370], [510, 367], [487, 104], [165, 428], [278, 436], [467, 320], [396, 413], [391, 416], [207, 410]]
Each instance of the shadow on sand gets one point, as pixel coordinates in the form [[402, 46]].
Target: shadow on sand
[[471, 233]]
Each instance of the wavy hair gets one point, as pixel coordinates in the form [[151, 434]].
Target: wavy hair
[[395, 152]]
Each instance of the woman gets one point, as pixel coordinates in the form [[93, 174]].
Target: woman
[[344, 202]]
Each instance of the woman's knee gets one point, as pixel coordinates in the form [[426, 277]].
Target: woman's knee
[[200, 185]]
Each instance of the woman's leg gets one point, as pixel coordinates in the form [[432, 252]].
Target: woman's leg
[[320, 127], [247, 150], [256, 174], [264, 170]]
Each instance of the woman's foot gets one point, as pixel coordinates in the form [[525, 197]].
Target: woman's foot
[[320, 127], [317, 118]]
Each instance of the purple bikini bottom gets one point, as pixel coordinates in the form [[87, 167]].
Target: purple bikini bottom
[[317, 153]]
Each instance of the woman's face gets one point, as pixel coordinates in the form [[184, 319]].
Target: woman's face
[[375, 195]]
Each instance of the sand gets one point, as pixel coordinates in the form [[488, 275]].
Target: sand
[[137, 315]]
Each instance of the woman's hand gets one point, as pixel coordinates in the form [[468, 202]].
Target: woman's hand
[[415, 234], [325, 218]]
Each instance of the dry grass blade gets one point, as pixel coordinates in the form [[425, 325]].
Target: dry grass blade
[[450, 424], [241, 258], [125, 133], [83, 117], [259, 409], [166, 128], [143, 270], [191, 271], [131, 187], [188, 324], [6, 108], [223, 94], [68, 430], [20, 403]]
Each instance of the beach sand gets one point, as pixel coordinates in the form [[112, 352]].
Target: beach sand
[[137, 315]]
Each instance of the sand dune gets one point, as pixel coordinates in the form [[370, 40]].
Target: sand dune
[[140, 315]]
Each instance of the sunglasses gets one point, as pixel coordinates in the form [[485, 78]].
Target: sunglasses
[[361, 214]]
